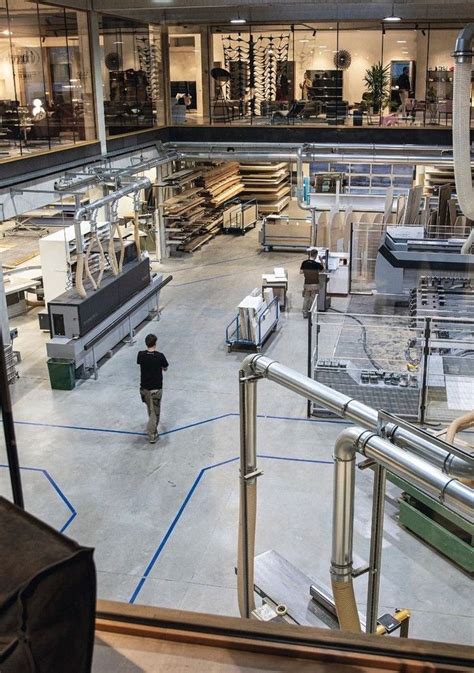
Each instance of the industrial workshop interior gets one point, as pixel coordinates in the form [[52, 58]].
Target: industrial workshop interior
[[236, 336]]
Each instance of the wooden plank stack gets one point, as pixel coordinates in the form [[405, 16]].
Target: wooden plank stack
[[220, 183], [269, 184]]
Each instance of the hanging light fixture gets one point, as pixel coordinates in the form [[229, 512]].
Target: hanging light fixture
[[238, 19], [393, 18]]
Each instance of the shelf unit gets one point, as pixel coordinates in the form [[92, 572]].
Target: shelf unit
[[327, 85]]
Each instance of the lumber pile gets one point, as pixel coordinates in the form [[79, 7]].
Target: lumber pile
[[269, 184], [220, 183]]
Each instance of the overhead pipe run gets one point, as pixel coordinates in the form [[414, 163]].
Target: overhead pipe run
[[463, 54]]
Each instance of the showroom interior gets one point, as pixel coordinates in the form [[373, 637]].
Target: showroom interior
[[281, 193]]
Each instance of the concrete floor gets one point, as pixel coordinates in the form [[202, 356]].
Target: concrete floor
[[163, 518]]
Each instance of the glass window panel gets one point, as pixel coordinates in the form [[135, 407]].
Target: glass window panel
[[131, 88]]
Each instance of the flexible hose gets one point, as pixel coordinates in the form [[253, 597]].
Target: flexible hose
[[462, 144], [136, 233], [80, 275], [346, 605], [251, 495], [461, 423]]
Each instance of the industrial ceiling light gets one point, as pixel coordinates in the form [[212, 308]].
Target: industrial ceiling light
[[238, 19], [393, 18]]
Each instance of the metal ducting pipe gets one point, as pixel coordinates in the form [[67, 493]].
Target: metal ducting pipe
[[430, 480], [343, 530], [357, 412], [81, 214], [462, 126]]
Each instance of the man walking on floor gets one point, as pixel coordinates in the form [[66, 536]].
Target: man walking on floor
[[152, 365], [310, 268]]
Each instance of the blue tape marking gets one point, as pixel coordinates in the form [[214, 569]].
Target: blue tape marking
[[182, 427], [58, 491], [185, 503], [166, 537], [80, 427], [193, 425]]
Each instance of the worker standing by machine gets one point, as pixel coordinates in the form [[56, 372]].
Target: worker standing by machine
[[310, 268]]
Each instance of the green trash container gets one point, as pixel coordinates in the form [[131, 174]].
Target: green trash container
[[61, 374]]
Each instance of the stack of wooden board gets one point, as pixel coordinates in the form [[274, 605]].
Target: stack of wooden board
[[220, 183], [269, 184]]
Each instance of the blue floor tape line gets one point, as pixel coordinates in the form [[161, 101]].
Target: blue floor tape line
[[166, 537], [66, 501], [185, 503], [182, 427]]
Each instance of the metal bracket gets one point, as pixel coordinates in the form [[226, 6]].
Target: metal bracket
[[366, 464], [252, 475], [357, 572], [251, 377]]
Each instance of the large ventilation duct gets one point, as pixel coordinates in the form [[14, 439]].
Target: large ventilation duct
[[462, 126]]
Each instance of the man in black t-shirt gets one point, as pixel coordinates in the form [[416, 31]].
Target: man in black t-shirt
[[152, 365], [310, 268]]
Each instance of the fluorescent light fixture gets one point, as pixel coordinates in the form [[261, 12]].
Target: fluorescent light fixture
[[401, 41], [6, 32], [323, 46], [118, 42], [238, 20], [304, 40], [393, 18]]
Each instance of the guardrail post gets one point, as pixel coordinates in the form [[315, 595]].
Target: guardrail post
[[376, 539]]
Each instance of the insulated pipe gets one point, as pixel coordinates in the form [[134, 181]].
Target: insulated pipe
[[461, 126], [355, 411]]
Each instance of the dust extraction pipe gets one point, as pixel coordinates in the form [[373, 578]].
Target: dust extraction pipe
[[80, 215], [427, 476], [462, 126], [358, 413]]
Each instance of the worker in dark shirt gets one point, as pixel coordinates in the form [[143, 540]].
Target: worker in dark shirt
[[152, 365], [310, 268], [404, 88]]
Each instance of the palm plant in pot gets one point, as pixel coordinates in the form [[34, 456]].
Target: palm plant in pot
[[377, 81]]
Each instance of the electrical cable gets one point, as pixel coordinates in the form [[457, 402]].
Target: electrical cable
[[364, 337]]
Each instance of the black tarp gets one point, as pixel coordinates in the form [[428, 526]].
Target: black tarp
[[47, 597]]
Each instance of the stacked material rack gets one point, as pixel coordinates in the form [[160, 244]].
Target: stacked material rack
[[269, 184], [195, 214]]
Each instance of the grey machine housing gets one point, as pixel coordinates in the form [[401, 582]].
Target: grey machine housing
[[86, 329], [401, 262]]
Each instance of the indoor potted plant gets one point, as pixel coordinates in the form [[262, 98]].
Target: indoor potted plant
[[377, 80]]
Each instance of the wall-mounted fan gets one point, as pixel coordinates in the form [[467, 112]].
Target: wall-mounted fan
[[342, 59], [113, 61]]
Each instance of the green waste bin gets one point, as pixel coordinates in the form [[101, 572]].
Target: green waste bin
[[61, 374]]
